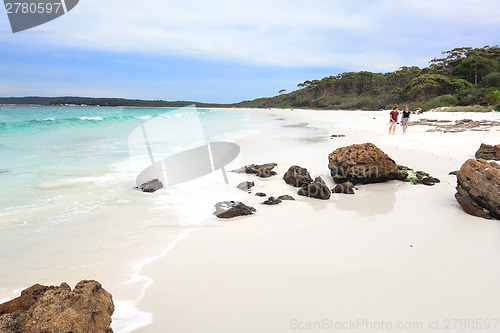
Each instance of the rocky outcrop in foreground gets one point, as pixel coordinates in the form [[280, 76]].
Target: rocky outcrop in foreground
[[363, 164], [488, 152], [230, 209], [316, 189], [478, 188], [262, 170], [297, 176], [41, 309]]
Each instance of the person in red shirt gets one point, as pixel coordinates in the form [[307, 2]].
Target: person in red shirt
[[393, 119]]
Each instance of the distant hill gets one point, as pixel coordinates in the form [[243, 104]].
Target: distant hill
[[465, 76], [99, 101]]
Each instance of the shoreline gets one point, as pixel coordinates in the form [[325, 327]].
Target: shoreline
[[234, 108], [236, 275]]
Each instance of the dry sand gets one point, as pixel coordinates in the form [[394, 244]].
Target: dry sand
[[393, 257]]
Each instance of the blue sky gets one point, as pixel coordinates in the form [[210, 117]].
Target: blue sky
[[229, 50]]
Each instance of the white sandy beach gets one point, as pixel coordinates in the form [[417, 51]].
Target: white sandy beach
[[392, 257]]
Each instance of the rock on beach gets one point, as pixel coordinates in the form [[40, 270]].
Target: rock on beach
[[316, 189], [346, 188], [230, 209], [363, 164], [261, 170], [297, 176], [478, 188], [488, 152], [85, 309]]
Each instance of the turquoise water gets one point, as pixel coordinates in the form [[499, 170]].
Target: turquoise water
[[40, 145]]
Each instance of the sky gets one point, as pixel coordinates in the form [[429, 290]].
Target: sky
[[226, 51]]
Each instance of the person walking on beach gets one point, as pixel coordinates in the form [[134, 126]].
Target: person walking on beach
[[393, 119], [405, 119]]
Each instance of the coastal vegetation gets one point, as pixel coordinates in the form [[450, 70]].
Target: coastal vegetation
[[463, 77]]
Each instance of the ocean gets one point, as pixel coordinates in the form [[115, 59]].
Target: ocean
[[69, 209]]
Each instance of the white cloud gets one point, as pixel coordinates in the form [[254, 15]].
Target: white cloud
[[357, 34]]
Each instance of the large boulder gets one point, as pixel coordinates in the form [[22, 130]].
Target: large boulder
[[363, 164], [478, 188], [316, 189], [261, 170], [230, 209], [86, 309], [488, 152], [297, 176]]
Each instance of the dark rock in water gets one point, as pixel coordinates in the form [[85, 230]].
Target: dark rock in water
[[86, 309], [262, 170], [346, 188], [151, 186], [478, 188], [272, 201], [363, 164], [453, 173], [429, 181], [286, 197], [245, 186], [297, 176], [230, 209], [488, 152], [260, 194], [4, 171], [317, 190]]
